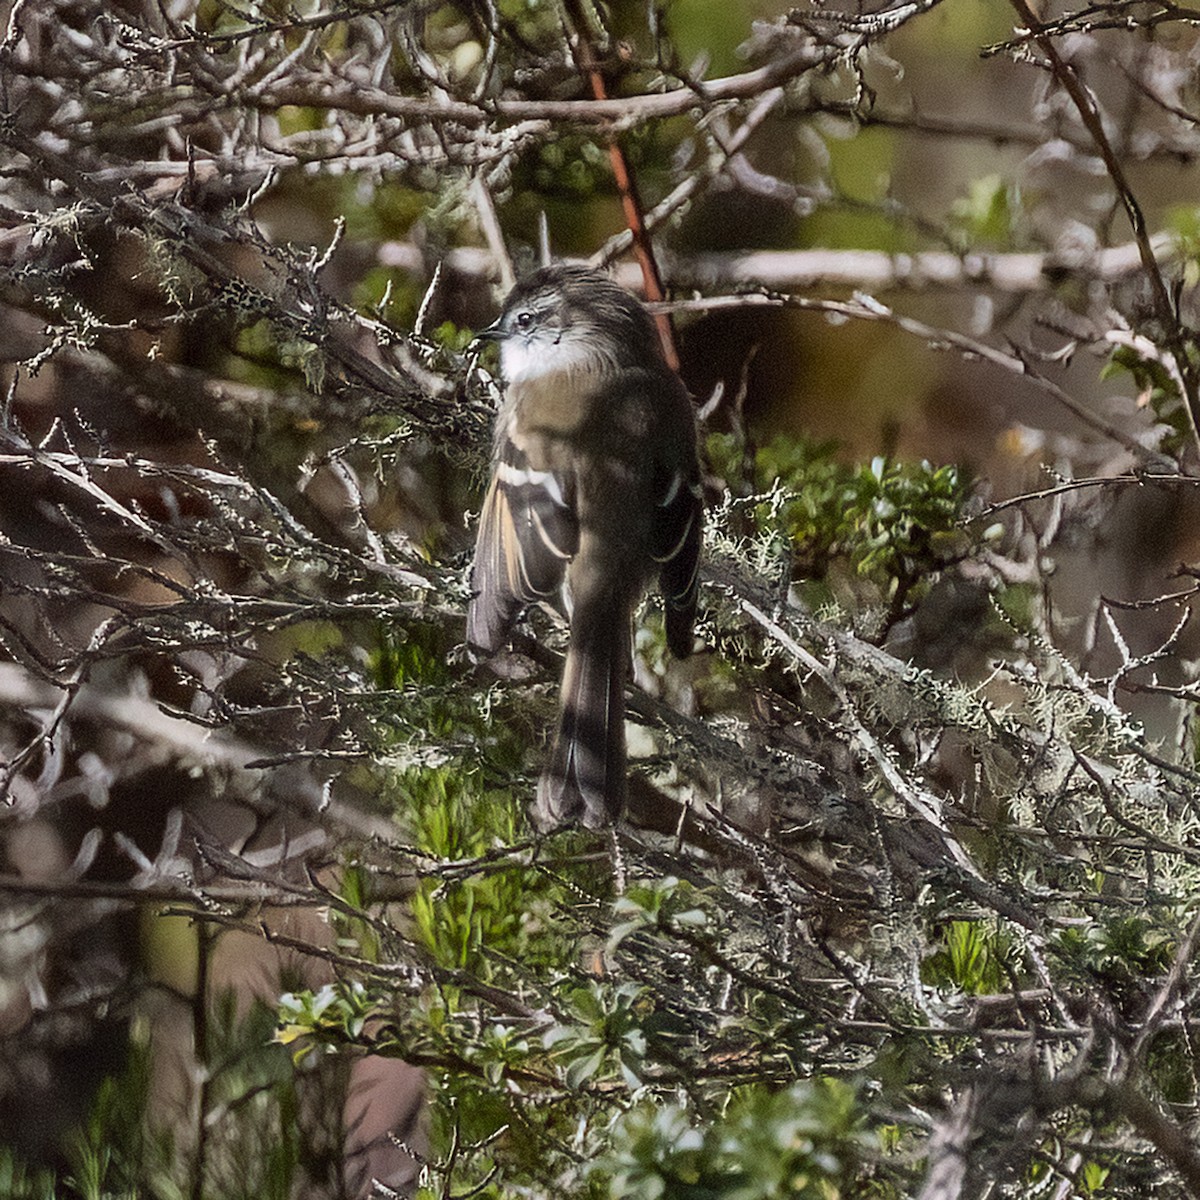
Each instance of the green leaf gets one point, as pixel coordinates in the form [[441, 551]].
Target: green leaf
[[580, 1070]]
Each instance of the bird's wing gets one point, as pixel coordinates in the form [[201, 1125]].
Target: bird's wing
[[528, 532]]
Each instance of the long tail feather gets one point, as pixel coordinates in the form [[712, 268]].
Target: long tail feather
[[584, 779]]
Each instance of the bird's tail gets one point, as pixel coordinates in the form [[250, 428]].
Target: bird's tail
[[584, 780]]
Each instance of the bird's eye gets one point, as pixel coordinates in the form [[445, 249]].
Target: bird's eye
[[524, 320]]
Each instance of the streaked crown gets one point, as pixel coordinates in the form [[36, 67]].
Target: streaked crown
[[571, 318]]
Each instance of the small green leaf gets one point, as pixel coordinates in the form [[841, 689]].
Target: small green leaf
[[580, 1070]]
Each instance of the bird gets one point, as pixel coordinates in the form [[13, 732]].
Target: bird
[[595, 490]]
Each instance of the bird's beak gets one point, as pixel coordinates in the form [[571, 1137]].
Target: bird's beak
[[493, 333]]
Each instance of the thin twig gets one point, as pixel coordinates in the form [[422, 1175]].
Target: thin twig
[[1085, 104]]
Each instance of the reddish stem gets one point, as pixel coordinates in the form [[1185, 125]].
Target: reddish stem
[[585, 57]]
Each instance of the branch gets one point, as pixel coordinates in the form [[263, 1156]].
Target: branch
[[145, 719], [803, 270], [323, 92], [631, 203], [766, 104], [1085, 104], [927, 806], [1172, 1142], [865, 308]]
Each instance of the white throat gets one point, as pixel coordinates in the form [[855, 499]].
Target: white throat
[[525, 359]]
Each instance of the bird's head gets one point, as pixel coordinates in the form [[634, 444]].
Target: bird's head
[[570, 319]]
